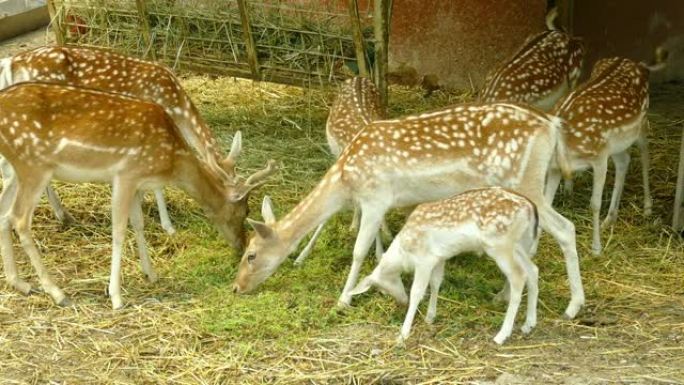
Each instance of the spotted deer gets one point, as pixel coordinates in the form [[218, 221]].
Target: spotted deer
[[356, 105], [51, 131], [540, 73], [605, 117], [493, 221], [108, 71], [417, 159]]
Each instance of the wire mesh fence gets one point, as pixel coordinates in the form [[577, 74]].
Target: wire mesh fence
[[301, 42]]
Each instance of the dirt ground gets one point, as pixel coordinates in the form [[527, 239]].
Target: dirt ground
[[188, 328]]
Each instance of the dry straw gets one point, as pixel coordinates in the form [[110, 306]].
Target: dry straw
[[190, 329]]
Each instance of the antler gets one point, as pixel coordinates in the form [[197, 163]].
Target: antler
[[253, 181]]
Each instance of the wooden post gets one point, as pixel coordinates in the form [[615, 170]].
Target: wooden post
[[381, 15], [55, 22], [358, 38], [679, 190], [566, 13], [249, 40], [145, 25]]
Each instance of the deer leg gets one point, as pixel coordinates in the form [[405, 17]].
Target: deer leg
[[505, 294], [379, 248], [386, 232], [28, 194], [163, 212], [10, 267], [309, 246], [370, 224], [421, 279], [621, 162], [137, 223], [532, 272], [435, 283], [354, 226], [600, 168], [123, 194], [552, 182], [61, 213], [563, 231], [516, 276], [645, 164]]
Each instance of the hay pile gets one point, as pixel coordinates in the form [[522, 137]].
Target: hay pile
[[189, 328]]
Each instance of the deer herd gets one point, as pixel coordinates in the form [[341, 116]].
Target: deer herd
[[483, 174]]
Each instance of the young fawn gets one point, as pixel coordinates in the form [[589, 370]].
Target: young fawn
[[51, 131], [417, 159], [108, 71], [605, 116], [357, 104], [493, 221]]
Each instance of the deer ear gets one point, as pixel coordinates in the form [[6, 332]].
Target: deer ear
[[262, 229], [267, 210], [363, 286], [235, 148]]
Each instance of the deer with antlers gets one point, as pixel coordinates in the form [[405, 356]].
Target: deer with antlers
[[356, 105], [416, 159], [492, 221], [51, 131], [605, 117], [108, 71], [540, 73]]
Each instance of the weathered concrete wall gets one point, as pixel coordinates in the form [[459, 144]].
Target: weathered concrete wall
[[632, 28], [456, 42]]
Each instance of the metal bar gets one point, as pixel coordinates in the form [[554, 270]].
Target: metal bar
[[249, 39], [358, 38], [55, 22]]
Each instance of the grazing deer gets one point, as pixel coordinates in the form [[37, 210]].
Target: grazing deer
[[543, 71], [356, 105], [108, 71], [493, 221], [605, 117], [417, 159], [51, 131]]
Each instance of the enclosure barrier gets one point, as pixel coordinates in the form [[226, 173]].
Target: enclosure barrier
[[299, 42]]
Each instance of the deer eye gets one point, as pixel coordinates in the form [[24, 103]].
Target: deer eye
[[251, 257]]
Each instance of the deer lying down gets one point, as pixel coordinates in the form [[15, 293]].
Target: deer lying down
[[50, 131], [493, 221], [356, 105], [109, 71]]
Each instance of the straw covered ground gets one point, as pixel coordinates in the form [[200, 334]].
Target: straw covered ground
[[189, 328]]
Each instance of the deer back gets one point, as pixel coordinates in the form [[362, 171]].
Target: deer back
[[356, 105], [108, 71], [487, 143], [610, 105], [540, 73]]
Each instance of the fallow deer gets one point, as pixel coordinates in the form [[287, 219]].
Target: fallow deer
[[605, 117], [108, 71], [492, 221], [417, 159], [542, 72], [356, 105], [80, 135]]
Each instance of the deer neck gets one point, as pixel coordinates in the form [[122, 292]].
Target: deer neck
[[326, 199], [199, 182]]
